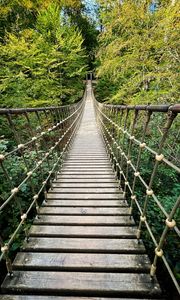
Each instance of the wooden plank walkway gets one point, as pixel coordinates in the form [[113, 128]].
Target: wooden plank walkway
[[83, 244]]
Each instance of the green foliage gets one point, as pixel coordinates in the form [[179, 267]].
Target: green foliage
[[138, 55], [17, 171], [44, 66], [79, 17]]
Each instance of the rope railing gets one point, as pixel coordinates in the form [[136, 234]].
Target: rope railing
[[137, 151], [38, 139]]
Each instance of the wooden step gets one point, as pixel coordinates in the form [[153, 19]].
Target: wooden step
[[87, 156], [88, 166], [86, 163], [84, 220], [87, 172], [36, 297], [86, 176], [82, 169], [97, 262], [78, 159], [85, 203], [87, 159], [88, 211], [86, 190], [85, 180], [89, 196], [81, 283], [83, 185], [90, 152], [83, 245], [83, 231]]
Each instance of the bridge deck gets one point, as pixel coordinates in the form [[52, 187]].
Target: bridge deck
[[83, 244]]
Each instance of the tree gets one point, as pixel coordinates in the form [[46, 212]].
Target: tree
[[138, 54], [42, 66], [79, 16]]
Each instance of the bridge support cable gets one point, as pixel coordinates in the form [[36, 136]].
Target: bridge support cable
[[128, 132]]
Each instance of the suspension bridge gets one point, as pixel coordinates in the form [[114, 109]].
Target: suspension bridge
[[84, 242]]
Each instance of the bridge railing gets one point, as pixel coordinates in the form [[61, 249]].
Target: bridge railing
[[33, 142], [142, 142]]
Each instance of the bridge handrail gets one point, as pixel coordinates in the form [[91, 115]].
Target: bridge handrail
[[63, 121], [29, 109], [120, 139], [153, 108]]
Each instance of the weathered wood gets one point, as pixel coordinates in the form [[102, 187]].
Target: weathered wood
[[88, 172], [87, 163], [80, 166], [87, 159], [97, 196], [105, 185], [36, 297], [85, 176], [85, 203], [90, 153], [82, 262], [86, 190], [88, 211], [79, 245], [117, 284], [88, 168], [84, 220], [85, 180], [83, 231]]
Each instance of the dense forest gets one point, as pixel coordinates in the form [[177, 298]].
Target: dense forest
[[138, 56], [46, 48]]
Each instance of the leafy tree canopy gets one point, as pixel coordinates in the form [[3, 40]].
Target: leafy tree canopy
[[44, 65], [138, 57]]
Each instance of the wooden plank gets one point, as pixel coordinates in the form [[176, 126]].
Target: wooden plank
[[86, 176], [88, 196], [83, 185], [85, 190], [116, 211], [70, 154], [85, 203], [89, 147], [86, 163], [87, 159], [87, 172], [84, 220], [86, 168], [36, 297], [83, 245], [86, 284], [83, 231], [89, 153], [82, 262], [85, 180]]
